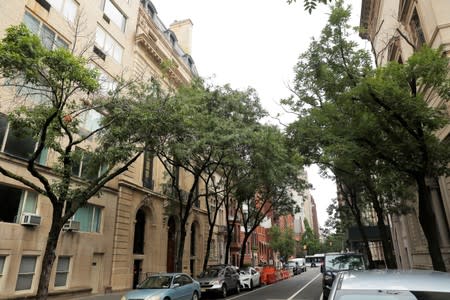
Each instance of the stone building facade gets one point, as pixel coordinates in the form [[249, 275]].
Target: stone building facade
[[125, 233], [419, 22]]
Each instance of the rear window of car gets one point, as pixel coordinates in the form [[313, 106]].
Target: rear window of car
[[390, 295], [344, 262]]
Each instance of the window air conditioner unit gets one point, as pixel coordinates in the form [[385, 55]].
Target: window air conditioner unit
[[71, 225], [30, 219]]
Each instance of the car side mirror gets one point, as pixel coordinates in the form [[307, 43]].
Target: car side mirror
[[322, 269], [175, 285]]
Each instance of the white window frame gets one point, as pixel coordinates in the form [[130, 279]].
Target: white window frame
[[115, 14], [95, 222], [42, 159], [108, 44], [25, 273], [68, 8], [62, 271], [57, 41], [2, 264]]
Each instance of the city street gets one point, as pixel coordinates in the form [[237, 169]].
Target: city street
[[304, 286]]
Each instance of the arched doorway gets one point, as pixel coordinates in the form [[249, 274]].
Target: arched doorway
[[171, 244], [138, 245], [139, 232]]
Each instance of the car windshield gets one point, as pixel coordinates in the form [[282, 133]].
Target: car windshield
[[212, 272], [156, 282], [245, 271], [344, 262], [290, 264]]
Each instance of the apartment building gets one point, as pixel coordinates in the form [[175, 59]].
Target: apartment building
[[126, 232], [419, 22]]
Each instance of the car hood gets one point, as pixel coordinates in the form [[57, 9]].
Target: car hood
[[245, 276], [207, 279], [142, 293]]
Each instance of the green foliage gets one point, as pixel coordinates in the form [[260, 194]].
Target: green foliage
[[309, 242], [282, 241], [310, 5]]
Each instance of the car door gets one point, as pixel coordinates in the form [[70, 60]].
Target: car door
[[182, 291], [229, 280]]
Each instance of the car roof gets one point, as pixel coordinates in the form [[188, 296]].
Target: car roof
[[167, 274], [412, 280]]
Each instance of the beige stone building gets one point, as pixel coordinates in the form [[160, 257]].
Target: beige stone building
[[126, 232], [420, 22]]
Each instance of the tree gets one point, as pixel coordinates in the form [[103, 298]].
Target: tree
[[67, 88], [211, 119], [309, 242], [271, 173], [391, 101], [282, 241]]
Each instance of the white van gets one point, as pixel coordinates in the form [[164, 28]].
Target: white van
[[300, 262]]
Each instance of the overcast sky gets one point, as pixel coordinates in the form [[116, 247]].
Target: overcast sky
[[254, 43]]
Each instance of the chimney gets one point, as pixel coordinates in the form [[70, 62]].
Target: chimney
[[183, 31]]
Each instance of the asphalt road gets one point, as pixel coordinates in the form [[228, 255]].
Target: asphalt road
[[306, 286]]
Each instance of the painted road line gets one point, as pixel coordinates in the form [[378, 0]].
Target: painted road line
[[292, 297]]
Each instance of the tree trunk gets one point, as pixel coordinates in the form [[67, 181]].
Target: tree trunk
[[386, 239], [208, 247], [365, 240], [243, 249], [49, 255], [429, 226], [179, 262], [227, 247]]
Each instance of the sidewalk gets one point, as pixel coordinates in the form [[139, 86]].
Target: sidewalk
[[111, 296]]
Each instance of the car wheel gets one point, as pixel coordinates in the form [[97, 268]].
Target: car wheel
[[195, 296], [224, 291], [251, 284]]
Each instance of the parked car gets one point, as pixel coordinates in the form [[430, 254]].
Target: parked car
[[391, 285], [336, 262], [166, 286], [219, 279], [249, 278]]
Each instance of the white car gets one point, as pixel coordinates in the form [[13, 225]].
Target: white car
[[249, 278], [391, 285]]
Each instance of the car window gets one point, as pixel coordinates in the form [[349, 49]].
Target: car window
[[344, 262], [178, 279], [212, 272], [186, 279], [156, 282]]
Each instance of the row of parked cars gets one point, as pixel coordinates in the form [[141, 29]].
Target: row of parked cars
[[217, 279], [345, 277]]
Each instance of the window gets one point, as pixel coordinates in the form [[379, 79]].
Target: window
[[89, 217], [2, 264], [62, 270], [91, 120], [109, 45], [26, 273], [85, 166], [15, 142], [147, 176], [48, 37], [14, 202], [114, 14], [68, 8], [107, 83], [417, 32]]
